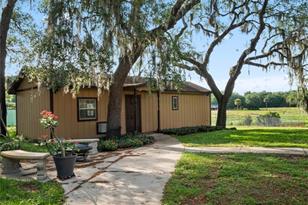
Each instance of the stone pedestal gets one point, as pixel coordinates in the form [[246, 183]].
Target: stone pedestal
[[94, 148], [10, 166], [41, 170]]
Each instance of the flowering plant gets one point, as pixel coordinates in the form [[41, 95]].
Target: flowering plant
[[55, 145], [49, 121]]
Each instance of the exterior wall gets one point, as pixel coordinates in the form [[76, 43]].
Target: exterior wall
[[29, 105], [149, 112], [66, 107], [194, 110]]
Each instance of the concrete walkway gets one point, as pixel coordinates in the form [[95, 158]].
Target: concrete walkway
[[135, 176], [259, 150]]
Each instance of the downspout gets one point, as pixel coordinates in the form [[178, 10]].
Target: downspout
[[158, 111]]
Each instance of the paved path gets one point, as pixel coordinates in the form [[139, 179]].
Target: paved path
[[136, 176], [260, 150]]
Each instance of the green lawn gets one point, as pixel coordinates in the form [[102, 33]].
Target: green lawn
[[25, 144], [290, 116], [238, 179], [14, 192], [261, 137]]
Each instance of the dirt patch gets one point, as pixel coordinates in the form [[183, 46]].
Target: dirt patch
[[196, 200], [29, 187]]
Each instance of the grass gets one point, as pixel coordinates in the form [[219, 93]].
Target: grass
[[25, 144], [14, 192], [238, 179], [260, 137], [290, 116]]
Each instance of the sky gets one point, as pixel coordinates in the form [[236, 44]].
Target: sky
[[224, 56]]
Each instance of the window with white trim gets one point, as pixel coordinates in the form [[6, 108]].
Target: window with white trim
[[87, 109], [175, 102]]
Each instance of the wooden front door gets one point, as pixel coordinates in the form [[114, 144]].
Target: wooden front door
[[132, 113]]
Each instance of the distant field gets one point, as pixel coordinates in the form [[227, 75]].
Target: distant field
[[290, 116]]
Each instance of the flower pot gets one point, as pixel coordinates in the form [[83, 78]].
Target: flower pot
[[65, 166]]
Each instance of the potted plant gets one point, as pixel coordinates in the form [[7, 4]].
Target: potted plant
[[62, 152]]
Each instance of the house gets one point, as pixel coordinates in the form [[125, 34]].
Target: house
[[85, 116]]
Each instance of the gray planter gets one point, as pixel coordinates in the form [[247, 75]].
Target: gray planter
[[65, 166]]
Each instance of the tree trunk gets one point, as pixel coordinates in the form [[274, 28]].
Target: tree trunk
[[222, 113], [115, 98], [4, 27]]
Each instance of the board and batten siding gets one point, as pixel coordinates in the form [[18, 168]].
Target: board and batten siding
[[149, 111], [66, 107], [29, 105], [193, 110]]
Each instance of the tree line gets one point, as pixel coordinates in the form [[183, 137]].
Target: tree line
[[256, 100], [103, 41]]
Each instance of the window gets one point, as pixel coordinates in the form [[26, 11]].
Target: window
[[87, 109], [175, 102]]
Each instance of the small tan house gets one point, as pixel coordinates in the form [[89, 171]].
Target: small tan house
[[85, 116]]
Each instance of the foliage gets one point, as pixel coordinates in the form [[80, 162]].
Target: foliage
[[85, 41], [31, 192], [237, 179], [248, 136], [57, 146], [247, 120], [257, 100], [290, 116], [107, 145], [6, 145], [126, 141], [189, 130], [269, 119]]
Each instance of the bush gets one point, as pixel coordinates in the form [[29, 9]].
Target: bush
[[107, 145], [247, 120], [189, 130], [146, 139], [269, 119], [9, 145], [127, 141]]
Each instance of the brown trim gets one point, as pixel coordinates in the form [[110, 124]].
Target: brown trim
[[26, 89], [51, 102], [177, 108], [78, 117], [210, 107], [135, 102], [158, 111], [16, 113]]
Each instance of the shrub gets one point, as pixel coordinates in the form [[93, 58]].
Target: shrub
[[269, 119], [127, 141], [146, 139], [247, 120], [107, 145], [189, 130], [9, 145]]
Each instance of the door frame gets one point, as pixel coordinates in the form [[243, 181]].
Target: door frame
[[135, 96]]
